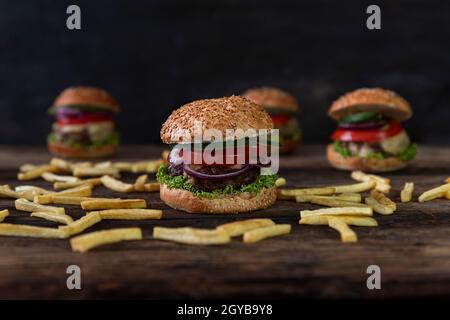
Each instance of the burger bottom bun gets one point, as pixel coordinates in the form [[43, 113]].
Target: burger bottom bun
[[363, 164], [66, 151], [184, 200]]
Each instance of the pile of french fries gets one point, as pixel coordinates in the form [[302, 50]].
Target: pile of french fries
[[73, 184], [347, 207]]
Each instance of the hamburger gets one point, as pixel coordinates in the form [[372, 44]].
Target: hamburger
[[225, 185], [85, 126], [283, 109], [370, 136]]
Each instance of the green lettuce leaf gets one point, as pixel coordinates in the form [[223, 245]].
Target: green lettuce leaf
[[339, 148], [409, 153], [180, 182]]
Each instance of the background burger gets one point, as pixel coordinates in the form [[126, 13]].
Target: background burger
[[369, 135], [283, 109], [84, 126], [214, 188]]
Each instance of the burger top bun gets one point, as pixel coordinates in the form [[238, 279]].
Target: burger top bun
[[379, 100], [272, 98], [221, 114], [86, 96]]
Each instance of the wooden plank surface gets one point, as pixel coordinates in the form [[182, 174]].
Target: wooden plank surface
[[412, 246]]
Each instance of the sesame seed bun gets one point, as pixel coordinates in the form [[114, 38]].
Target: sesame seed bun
[[86, 96], [364, 164], [379, 100], [272, 98], [221, 114], [184, 200], [62, 150]]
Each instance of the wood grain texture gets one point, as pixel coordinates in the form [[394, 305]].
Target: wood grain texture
[[412, 246]]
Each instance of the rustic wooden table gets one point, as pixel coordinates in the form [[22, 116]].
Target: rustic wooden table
[[412, 246]]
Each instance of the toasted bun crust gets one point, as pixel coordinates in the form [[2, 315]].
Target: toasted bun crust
[[271, 98], [86, 96], [62, 150], [376, 99], [367, 165], [184, 200], [220, 114]]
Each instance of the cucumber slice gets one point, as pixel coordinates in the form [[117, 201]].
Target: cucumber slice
[[360, 117]]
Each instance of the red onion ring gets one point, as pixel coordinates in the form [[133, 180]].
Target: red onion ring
[[199, 175]]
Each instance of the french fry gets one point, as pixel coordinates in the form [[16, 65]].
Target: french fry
[[25, 205], [152, 187], [72, 200], [259, 234], [342, 211], [123, 166], [114, 204], [67, 185], [350, 220], [146, 166], [291, 193], [35, 173], [3, 214], [380, 203], [238, 228], [62, 165], [447, 195], [60, 218], [191, 235], [5, 191], [329, 202], [280, 182], [355, 188], [406, 193], [20, 230], [363, 177], [34, 189], [347, 234], [95, 239], [434, 193], [378, 207], [27, 167], [165, 156], [81, 224], [116, 185], [51, 177], [139, 185], [103, 165], [381, 184], [95, 172], [382, 199], [349, 197], [130, 214], [447, 180], [81, 191]]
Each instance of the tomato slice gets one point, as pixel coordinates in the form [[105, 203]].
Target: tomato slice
[[280, 119], [85, 118], [237, 156], [372, 135]]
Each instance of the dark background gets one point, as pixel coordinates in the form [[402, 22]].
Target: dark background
[[154, 56]]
